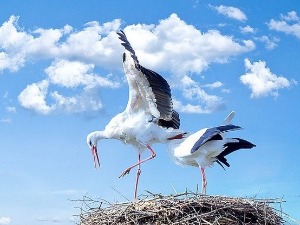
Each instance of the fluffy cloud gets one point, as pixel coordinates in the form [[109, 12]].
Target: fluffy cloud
[[71, 74], [205, 103], [12, 45], [270, 43], [33, 97], [188, 108], [77, 103], [181, 48], [17, 45], [231, 12], [262, 81], [175, 46], [291, 16], [10, 109], [214, 85], [247, 29], [5, 220], [290, 24], [171, 45]]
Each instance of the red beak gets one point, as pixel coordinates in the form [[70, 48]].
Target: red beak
[[95, 156]]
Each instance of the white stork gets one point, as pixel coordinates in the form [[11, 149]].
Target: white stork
[[206, 146], [149, 116]]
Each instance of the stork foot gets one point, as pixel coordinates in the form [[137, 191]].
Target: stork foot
[[125, 172]]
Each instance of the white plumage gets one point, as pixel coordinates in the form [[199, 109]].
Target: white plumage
[[206, 146], [149, 116]]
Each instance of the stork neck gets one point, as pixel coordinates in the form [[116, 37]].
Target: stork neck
[[97, 135]]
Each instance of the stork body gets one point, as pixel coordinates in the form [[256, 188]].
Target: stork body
[[149, 116], [206, 146]]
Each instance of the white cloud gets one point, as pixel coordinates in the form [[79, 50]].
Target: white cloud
[[291, 16], [188, 108], [231, 12], [94, 44], [247, 29], [10, 109], [6, 120], [285, 25], [210, 103], [172, 45], [87, 45], [225, 90], [71, 74], [175, 46], [5, 220], [12, 44], [33, 97], [193, 92], [262, 81], [270, 43], [78, 103], [214, 85], [181, 48]]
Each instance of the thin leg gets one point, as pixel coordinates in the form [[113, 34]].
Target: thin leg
[[138, 173], [204, 182], [153, 154]]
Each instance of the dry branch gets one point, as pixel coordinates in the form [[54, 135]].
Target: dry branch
[[187, 208]]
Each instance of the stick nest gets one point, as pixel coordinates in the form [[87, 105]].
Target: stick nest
[[187, 208]]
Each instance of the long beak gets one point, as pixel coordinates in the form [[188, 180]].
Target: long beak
[[95, 156]]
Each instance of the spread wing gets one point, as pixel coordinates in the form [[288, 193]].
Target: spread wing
[[213, 133], [148, 90]]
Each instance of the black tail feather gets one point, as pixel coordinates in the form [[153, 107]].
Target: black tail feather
[[231, 147]]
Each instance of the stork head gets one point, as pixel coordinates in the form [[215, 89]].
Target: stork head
[[92, 140]]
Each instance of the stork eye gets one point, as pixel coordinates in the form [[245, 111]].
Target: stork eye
[[91, 143]]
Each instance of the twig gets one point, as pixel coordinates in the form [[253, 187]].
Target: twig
[[182, 208]]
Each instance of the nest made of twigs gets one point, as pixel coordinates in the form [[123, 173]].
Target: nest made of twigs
[[187, 208]]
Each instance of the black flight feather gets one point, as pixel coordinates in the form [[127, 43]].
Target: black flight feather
[[174, 123], [231, 147], [213, 134], [158, 84]]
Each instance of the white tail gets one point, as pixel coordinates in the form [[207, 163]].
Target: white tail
[[229, 118]]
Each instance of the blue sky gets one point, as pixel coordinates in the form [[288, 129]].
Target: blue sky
[[61, 77]]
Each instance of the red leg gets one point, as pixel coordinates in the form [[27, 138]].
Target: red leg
[[204, 182], [153, 154], [138, 173]]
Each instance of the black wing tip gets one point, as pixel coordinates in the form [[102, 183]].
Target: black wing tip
[[173, 123], [223, 161], [126, 44], [229, 127], [121, 33]]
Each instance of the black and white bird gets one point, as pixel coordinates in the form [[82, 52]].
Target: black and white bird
[[149, 116], [206, 146]]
